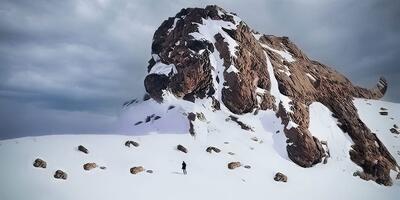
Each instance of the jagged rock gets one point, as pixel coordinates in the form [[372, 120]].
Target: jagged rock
[[83, 149], [136, 170], [190, 74], [280, 177], [233, 165], [240, 123], [201, 116], [89, 166], [181, 148], [215, 149], [39, 163], [59, 174], [130, 142]]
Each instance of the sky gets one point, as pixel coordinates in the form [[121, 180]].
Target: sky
[[66, 67]]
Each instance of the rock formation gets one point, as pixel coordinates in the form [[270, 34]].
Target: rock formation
[[209, 53]]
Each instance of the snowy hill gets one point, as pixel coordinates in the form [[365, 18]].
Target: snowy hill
[[208, 176], [257, 100]]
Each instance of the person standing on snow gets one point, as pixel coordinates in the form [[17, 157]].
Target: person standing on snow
[[184, 167]]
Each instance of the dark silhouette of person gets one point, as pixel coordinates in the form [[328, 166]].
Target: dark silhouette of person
[[184, 167]]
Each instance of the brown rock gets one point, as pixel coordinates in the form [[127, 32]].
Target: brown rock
[[136, 170], [59, 174], [89, 166], [83, 149], [39, 163], [280, 177], [181, 148], [233, 165], [215, 149]]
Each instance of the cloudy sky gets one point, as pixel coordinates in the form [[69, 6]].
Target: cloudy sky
[[67, 66]]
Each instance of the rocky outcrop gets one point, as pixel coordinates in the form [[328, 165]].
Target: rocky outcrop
[[248, 71], [39, 163]]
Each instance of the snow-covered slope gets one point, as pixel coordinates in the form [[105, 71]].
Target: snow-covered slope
[[208, 176]]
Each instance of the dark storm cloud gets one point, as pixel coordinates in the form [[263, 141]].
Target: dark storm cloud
[[67, 66]]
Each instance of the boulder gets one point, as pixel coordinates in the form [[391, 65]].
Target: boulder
[[280, 177], [233, 165], [59, 174], [136, 170], [181, 148], [215, 149], [89, 166], [39, 163], [130, 142], [83, 149]]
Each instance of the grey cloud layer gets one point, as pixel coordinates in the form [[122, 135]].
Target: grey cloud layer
[[73, 63]]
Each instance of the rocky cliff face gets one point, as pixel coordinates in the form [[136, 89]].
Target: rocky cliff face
[[212, 54]]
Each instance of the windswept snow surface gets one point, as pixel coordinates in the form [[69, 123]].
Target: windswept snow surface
[[208, 176]]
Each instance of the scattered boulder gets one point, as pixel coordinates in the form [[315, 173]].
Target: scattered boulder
[[171, 107], [83, 149], [233, 165], [89, 166], [136, 170], [103, 168], [394, 131], [130, 142], [382, 108], [280, 177], [148, 118], [149, 171], [137, 123], [231, 153], [247, 166], [157, 117], [215, 149], [383, 113], [39, 163], [181, 148], [59, 174]]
